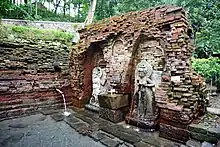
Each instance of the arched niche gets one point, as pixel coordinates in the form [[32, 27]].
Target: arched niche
[[117, 62], [149, 49], [93, 58]]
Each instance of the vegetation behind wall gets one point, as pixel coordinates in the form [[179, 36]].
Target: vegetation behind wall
[[34, 33], [208, 68]]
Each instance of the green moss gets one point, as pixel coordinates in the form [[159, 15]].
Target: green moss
[[26, 32]]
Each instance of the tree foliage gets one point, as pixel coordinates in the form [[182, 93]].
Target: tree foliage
[[208, 68], [204, 16], [4, 7]]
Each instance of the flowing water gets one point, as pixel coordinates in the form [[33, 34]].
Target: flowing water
[[66, 113]]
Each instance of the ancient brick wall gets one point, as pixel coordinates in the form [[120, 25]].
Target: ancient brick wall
[[30, 70], [160, 35]]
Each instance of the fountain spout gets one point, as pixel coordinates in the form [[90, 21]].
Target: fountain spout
[[112, 91], [66, 113]]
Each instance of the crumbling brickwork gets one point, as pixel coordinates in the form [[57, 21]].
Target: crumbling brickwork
[[159, 35], [30, 70]]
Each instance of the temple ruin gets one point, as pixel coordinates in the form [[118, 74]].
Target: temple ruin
[[144, 55]]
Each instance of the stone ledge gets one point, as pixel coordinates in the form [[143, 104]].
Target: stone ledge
[[150, 125], [174, 133], [92, 108], [109, 142], [215, 111], [203, 132]]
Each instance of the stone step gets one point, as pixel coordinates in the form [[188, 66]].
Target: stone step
[[215, 111], [212, 88], [204, 132]]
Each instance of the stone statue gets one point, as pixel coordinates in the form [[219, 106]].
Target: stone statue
[[143, 90], [98, 82]]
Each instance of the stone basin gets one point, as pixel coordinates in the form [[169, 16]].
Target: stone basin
[[113, 101]]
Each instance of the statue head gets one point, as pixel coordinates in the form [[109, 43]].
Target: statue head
[[96, 72], [144, 69]]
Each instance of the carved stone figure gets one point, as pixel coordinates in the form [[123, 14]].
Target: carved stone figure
[[98, 82], [144, 90]]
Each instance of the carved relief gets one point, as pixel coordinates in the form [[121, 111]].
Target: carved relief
[[144, 95], [98, 82], [117, 62], [117, 48], [153, 52]]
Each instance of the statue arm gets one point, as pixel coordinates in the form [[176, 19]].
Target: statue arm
[[103, 79], [150, 82]]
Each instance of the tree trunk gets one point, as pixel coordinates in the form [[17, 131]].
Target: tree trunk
[[69, 10], [64, 7], [89, 18], [56, 6], [36, 8]]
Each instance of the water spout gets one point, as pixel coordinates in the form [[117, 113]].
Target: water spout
[[66, 113], [112, 91]]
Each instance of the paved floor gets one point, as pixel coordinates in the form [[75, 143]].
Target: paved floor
[[81, 129], [41, 131]]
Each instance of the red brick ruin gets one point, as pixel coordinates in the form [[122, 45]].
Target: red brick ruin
[[30, 70], [162, 37]]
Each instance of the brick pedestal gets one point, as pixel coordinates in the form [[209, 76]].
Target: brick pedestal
[[174, 133]]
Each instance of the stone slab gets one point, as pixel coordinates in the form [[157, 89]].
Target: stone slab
[[193, 143], [121, 134], [83, 117], [70, 120], [204, 137], [149, 125], [97, 136], [198, 128], [114, 116], [58, 116], [123, 145], [49, 111], [215, 111], [142, 144], [92, 108], [205, 129], [109, 142], [152, 140]]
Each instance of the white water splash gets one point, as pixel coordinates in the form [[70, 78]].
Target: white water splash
[[137, 129], [66, 113]]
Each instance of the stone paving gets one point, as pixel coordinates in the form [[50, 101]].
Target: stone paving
[[41, 131], [207, 128], [82, 128]]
